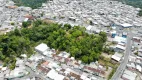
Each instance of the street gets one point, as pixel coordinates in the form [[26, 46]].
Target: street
[[122, 66]]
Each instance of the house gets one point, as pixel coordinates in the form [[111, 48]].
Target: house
[[24, 55], [12, 7], [17, 72], [119, 39], [124, 34], [26, 19], [131, 66], [32, 65], [117, 57], [43, 70], [74, 75], [64, 54], [126, 25], [83, 76], [120, 48], [122, 44], [136, 39], [4, 68], [30, 17], [139, 68], [42, 48], [129, 75], [45, 64], [1, 76], [132, 59], [52, 74], [93, 70], [113, 34], [72, 19], [89, 28], [36, 57], [140, 52], [19, 62]]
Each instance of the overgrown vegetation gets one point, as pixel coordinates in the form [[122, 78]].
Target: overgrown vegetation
[[30, 3], [112, 73], [140, 13], [74, 40], [26, 24]]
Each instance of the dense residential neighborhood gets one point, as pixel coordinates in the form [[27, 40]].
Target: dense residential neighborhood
[[112, 49]]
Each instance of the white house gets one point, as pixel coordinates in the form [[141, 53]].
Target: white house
[[42, 48], [89, 28], [17, 72], [139, 68], [52, 74], [121, 47], [64, 54], [119, 39], [117, 57], [126, 25], [129, 75]]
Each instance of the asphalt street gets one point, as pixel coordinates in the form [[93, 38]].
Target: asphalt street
[[122, 66]]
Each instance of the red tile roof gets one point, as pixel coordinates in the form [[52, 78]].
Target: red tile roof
[[45, 63], [29, 16], [94, 70]]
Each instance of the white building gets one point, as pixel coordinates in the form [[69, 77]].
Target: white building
[[42, 48], [117, 57], [64, 54], [119, 39], [129, 75], [126, 25], [89, 28], [139, 68], [52, 74], [17, 72], [121, 47]]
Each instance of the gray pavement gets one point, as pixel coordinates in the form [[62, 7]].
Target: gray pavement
[[122, 66], [31, 74]]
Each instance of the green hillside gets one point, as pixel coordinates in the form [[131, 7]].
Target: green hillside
[[30, 3], [135, 3]]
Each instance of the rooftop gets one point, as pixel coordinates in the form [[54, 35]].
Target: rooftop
[[42, 47]]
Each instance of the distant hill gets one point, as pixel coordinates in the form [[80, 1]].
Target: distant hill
[[30, 3], [134, 3]]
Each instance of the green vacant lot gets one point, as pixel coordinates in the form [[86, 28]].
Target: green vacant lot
[[81, 45]]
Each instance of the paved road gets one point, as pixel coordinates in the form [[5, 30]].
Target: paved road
[[122, 66], [32, 74]]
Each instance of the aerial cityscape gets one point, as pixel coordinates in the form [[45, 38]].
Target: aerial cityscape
[[70, 40]]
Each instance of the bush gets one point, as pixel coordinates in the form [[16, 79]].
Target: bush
[[12, 23], [140, 13]]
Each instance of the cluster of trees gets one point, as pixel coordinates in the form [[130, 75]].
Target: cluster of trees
[[108, 51], [26, 24], [81, 45], [12, 46], [140, 13], [30, 3]]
